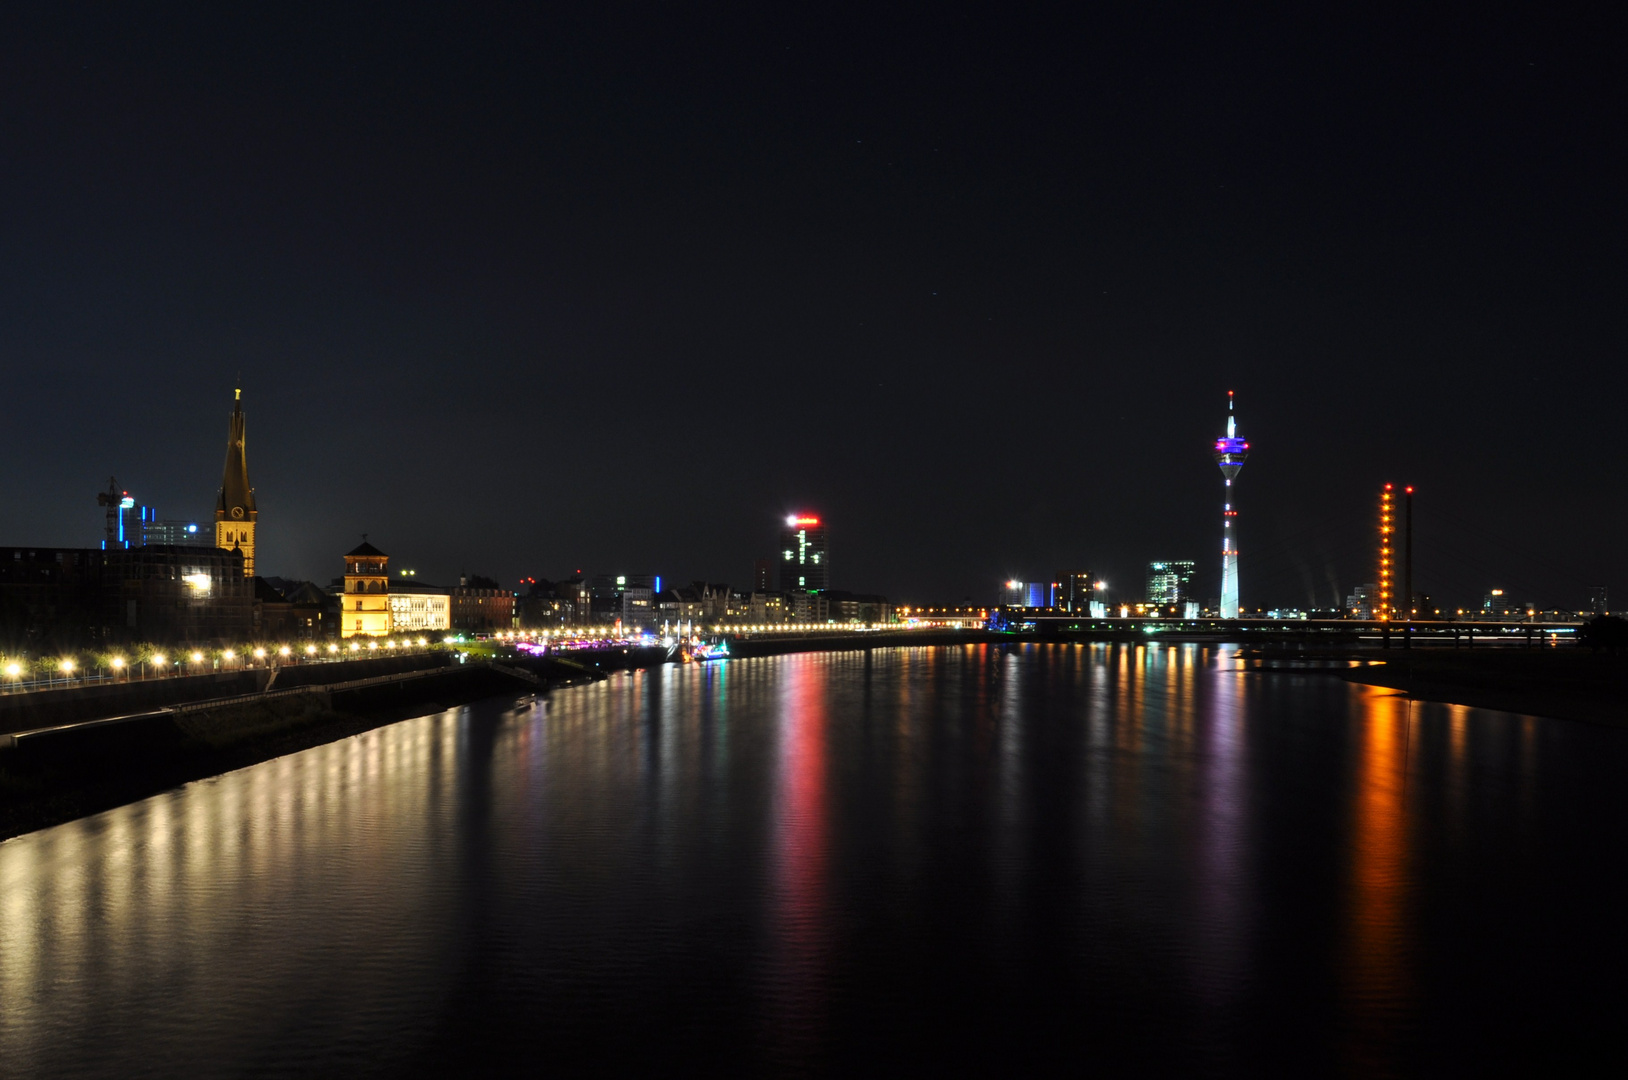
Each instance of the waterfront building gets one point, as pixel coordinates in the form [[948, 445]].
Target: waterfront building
[[1170, 582], [365, 610], [481, 604], [419, 608], [805, 557], [767, 608], [1598, 603], [808, 607], [858, 607], [1360, 603], [1230, 451], [235, 514]]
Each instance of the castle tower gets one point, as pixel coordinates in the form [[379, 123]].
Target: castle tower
[[364, 610], [234, 511], [1229, 454]]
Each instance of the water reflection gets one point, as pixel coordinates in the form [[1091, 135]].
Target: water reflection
[[1376, 979], [935, 858]]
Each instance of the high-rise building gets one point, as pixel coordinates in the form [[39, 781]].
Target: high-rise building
[[365, 607], [1598, 604], [1170, 582], [1074, 590], [805, 564], [763, 576], [235, 515], [1230, 452]]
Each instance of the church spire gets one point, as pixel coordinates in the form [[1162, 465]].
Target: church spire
[[235, 513]]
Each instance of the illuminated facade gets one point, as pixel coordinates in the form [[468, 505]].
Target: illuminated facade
[[1229, 454], [235, 515], [364, 609], [1385, 587], [1170, 582], [804, 557], [411, 612]]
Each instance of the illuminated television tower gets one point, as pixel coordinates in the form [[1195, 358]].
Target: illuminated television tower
[[1229, 454]]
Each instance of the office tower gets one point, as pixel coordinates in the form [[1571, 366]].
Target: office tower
[[1075, 589], [1170, 582], [804, 558]]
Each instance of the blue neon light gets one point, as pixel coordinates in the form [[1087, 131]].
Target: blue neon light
[[658, 584]]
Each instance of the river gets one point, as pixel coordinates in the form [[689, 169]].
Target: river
[[917, 860]]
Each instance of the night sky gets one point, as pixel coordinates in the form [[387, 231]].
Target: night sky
[[614, 288]]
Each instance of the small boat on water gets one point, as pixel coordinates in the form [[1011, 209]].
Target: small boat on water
[[715, 651]]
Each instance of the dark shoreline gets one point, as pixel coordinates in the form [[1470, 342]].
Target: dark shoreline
[[1557, 683], [53, 784]]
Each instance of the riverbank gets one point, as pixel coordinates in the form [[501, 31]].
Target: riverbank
[[90, 768], [1567, 684]]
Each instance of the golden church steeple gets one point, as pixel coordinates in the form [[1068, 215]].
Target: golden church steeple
[[235, 514]]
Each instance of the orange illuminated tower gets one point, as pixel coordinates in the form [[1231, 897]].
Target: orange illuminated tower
[[1383, 603]]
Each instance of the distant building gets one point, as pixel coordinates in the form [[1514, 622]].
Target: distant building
[[72, 597], [808, 607], [763, 575], [1598, 604], [1029, 594], [366, 601], [482, 605], [858, 607], [235, 515], [805, 557], [768, 608], [1170, 582], [1074, 590], [630, 598], [1360, 604], [173, 533]]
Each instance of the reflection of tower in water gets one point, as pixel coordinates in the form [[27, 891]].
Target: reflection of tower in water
[[1230, 452]]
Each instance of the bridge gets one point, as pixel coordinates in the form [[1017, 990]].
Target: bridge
[[1435, 633]]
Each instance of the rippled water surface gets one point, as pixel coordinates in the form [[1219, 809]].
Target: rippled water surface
[[1115, 858]]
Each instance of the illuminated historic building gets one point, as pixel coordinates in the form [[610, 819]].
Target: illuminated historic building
[[421, 609], [234, 511], [365, 606]]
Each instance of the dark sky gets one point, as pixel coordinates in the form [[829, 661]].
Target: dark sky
[[613, 288]]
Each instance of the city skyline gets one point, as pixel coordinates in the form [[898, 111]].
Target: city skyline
[[1463, 593]]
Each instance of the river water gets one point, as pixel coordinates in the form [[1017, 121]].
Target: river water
[[922, 860]]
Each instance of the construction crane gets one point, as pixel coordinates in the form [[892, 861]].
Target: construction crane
[[111, 498]]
